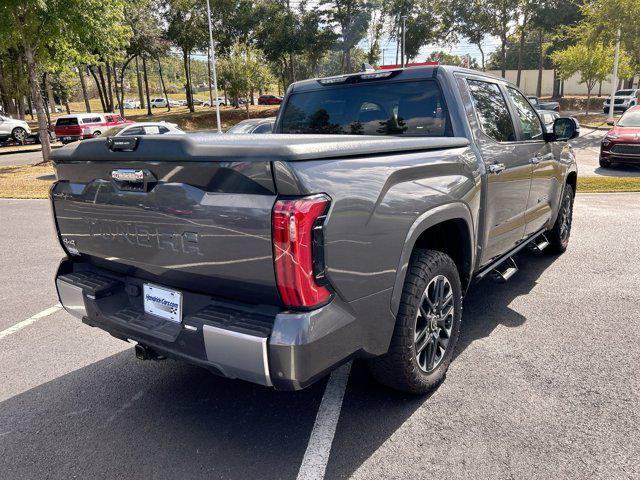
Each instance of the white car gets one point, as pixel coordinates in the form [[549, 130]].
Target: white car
[[10, 128], [219, 100], [158, 103], [130, 104], [623, 100], [144, 128]]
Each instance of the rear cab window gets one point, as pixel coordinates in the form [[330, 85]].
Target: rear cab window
[[67, 122], [89, 120], [404, 108]]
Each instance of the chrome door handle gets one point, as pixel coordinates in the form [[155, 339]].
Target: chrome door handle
[[496, 168]]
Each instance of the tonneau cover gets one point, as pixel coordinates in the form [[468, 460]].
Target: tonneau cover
[[269, 147]]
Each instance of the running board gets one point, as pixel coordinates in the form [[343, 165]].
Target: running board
[[504, 271], [538, 244]]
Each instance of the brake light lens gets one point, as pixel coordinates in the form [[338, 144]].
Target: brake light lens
[[298, 250]]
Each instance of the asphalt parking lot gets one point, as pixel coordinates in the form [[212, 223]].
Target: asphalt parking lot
[[546, 382]]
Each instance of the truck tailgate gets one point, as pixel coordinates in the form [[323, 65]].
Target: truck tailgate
[[202, 226]]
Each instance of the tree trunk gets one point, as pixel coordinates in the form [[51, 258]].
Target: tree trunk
[[187, 87], [503, 56], [85, 95], [38, 100], [540, 63], [20, 106], [588, 100], [105, 93], [30, 104], [109, 86], [520, 51], [7, 104], [65, 101], [122, 71], [95, 78], [115, 86], [146, 85], [47, 103], [600, 88], [479, 45], [209, 75], [139, 78], [50, 97], [164, 90]]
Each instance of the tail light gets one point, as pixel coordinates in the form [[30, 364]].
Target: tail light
[[298, 250]]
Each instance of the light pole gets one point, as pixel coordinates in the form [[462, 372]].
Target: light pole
[[404, 28], [614, 80], [213, 67]]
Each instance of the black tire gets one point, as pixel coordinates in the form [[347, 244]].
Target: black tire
[[605, 163], [97, 133], [401, 367], [19, 134], [559, 235]]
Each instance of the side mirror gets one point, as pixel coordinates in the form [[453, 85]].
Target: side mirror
[[565, 128], [611, 122]]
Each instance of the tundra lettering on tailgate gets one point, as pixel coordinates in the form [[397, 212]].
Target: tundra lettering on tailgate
[[143, 235]]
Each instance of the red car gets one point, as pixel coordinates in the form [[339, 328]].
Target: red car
[[269, 100], [621, 144], [70, 128]]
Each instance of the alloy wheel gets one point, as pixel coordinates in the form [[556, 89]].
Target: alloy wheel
[[434, 322]]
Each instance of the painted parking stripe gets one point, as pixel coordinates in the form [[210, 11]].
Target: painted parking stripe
[[25, 323], [316, 456]]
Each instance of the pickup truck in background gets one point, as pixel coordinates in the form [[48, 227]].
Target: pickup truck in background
[[353, 232]]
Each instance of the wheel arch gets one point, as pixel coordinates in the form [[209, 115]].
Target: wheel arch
[[572, 179], [447, 228]]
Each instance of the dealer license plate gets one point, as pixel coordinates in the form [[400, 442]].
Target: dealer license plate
[[163, 302]]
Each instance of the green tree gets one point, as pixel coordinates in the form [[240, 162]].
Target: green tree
[[187, 29], [243, 70], [59, 31], [594, 63], [473, 20], [449, 59], [351, 19]]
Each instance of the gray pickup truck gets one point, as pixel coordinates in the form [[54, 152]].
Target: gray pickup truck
[[352, 232]]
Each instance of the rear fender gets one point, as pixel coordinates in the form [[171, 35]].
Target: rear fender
[[431, 218]]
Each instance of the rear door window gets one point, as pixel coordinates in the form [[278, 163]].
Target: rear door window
[[492, 110], [413, 108]]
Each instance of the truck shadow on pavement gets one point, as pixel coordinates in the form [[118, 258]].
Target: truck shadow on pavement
[[371, 413], [121, 418]]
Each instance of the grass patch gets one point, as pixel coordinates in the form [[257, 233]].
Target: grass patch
[[26, 181], [608, 184]]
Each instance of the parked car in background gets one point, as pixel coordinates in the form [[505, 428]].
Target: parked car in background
[[17, 130], [70, 128], [198, 101], [254, 125], [269, 100], [175, 103], [623, 100], [144, 128], [219, 100], [548, 117], [129, 104], [158, 103], [540, 105], [621, 144]]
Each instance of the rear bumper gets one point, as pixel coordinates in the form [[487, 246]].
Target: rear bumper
[[256, 343]]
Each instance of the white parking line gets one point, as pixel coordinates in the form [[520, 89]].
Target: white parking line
[[25, 323], [316, 456]]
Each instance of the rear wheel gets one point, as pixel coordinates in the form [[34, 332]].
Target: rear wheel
[[427, 326], [97, 133], [558, 236]]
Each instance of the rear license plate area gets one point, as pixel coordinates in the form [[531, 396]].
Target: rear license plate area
[[163, 302]]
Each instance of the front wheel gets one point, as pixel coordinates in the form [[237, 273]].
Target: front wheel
[[427, 326], [558, 236], [97, 133], [19, 134]]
